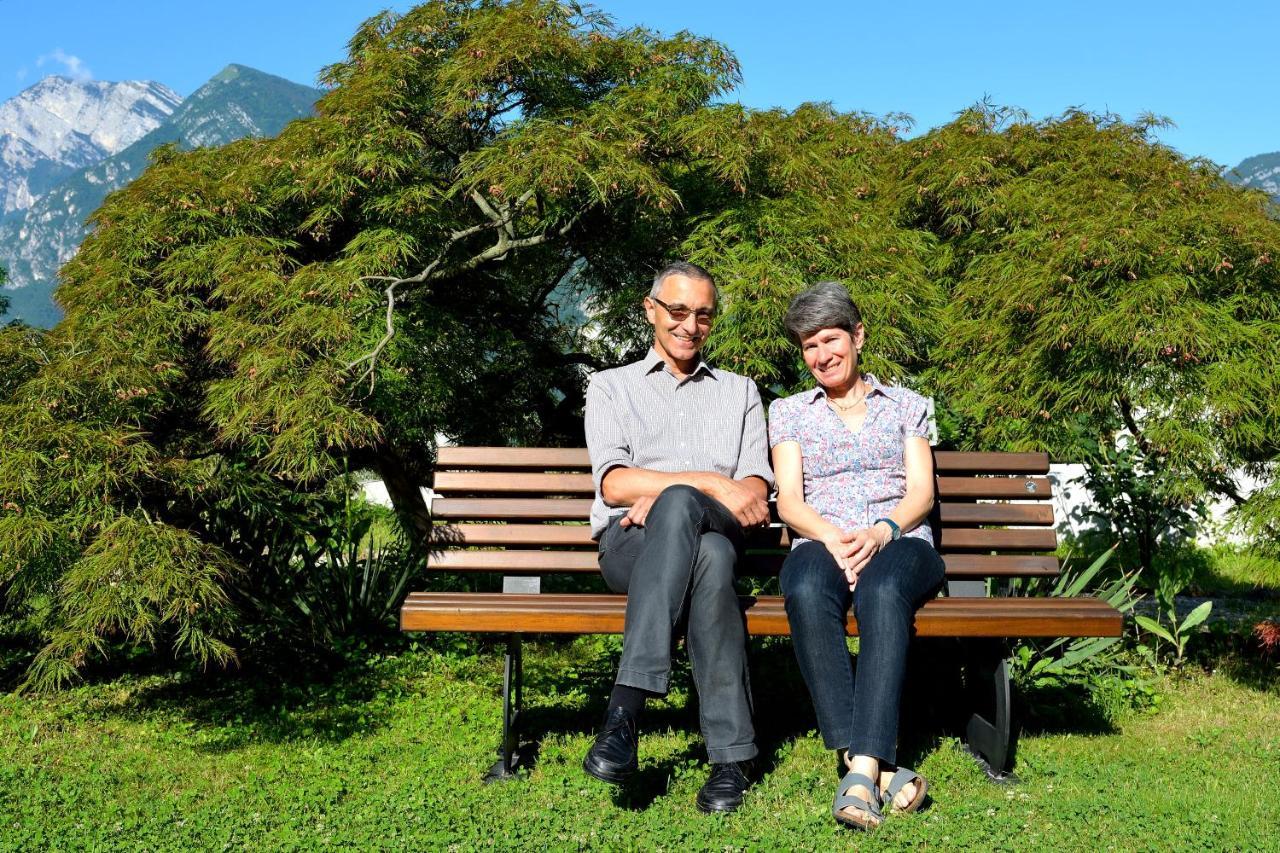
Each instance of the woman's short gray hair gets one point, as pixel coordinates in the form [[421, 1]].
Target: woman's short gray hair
[[825, 305]]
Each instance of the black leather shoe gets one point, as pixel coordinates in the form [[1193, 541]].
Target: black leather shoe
[[612, 758], [724, 788]]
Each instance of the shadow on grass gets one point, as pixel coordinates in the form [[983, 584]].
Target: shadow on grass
[[1239, 654], [270, 700], [783, 711]]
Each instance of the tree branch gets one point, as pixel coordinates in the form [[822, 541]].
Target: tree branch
[[1126, 412], [372, 356], [501, 221]]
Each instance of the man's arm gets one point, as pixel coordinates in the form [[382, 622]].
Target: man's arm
[[637, 488], [744, 495]]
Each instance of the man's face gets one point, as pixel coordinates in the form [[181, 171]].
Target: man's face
[[680, 340]]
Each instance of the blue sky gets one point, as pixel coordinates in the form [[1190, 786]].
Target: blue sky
[[1204, 65]]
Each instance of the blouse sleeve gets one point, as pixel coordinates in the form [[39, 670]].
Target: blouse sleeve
[[916, 417], [782, 424]]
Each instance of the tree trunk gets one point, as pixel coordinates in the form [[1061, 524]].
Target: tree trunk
[[406, 496]]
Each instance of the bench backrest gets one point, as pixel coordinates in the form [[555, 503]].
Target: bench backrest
[[993, 516]]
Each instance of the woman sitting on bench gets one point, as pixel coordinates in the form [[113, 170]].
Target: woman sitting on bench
[[855, 480]]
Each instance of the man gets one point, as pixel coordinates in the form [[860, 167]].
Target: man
[[679, 457]]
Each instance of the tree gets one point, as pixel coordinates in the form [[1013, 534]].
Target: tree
[[246, 324], [1100, 282]]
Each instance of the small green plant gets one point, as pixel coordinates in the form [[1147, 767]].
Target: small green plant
[[1041, 664], [1176, 633], [1172, 577]]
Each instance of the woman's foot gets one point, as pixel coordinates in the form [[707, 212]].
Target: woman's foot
[[857, 802], [904, 789]]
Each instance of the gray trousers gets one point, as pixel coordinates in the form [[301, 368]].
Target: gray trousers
[[678, 572]]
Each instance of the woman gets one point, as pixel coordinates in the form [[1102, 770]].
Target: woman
[[855, 483]]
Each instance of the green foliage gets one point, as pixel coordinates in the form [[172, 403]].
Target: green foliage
[[175, 761], [1098, 278], [1176, 633], [1147, 508], [1040, 663], [248, 323]]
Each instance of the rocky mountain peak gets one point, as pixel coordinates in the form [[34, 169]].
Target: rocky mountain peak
[[111, 116]]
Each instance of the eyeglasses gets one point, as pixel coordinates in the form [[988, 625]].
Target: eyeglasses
[[679, 313]]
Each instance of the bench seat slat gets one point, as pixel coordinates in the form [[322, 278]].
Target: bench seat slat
[[576, 457], [545, 562], [580, 613]]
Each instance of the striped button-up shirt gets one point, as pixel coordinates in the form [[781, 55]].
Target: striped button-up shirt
[[642, 416]]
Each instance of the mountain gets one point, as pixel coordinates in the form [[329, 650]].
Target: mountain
[[1261, 172], [58, 126], [236, 102]]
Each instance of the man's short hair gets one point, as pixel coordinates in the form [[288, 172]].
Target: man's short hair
[[687, 270]]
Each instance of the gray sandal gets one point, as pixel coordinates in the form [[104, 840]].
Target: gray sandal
[[902, 778], [866, 812]]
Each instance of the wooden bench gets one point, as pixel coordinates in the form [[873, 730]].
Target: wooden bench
[[522, 512]]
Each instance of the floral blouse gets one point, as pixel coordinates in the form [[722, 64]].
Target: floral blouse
[[852, 479]]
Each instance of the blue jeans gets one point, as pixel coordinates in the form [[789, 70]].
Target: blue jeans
[[859, 713], [678, 573]]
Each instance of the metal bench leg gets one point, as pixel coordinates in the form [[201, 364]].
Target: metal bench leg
[[512, 702], [990, 734]]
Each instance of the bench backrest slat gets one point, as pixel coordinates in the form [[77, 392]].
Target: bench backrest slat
[[574, 562], [569, 535], [568, 458], [526, 482], [576, 509]]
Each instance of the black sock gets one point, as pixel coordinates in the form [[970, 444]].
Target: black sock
[[625, 696]]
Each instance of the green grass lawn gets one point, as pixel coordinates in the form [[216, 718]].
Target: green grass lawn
[[391, 754]]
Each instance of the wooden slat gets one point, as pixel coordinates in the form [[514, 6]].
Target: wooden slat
[[565, 535], [1012, 488], [996, 513], [991, 463], [514, 509], [509, 482], [759, 565], [512, 457], [516, 534], [560, 458], [506, 482], [513, 562], [1000, 565], [989, 539], [578, 509], [604, 614]]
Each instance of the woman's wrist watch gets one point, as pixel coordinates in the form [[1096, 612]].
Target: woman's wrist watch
[[895, 532]]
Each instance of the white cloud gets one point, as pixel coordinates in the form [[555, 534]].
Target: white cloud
[[21, 74], [75, 67]]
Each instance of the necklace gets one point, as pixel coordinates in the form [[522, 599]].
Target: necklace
[[847, 407]]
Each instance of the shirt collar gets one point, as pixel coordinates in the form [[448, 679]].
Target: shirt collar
[[653, 361], [874, 386]]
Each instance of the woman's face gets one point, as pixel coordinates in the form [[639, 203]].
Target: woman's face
[[832, 356]]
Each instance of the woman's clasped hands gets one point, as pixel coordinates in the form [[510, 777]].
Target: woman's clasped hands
[[853, 549]]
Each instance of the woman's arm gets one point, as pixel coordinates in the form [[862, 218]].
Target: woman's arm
[[910, 511], [918, 501], [788, 474]]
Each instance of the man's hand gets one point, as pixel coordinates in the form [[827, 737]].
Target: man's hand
[[740, 499], [638, 513]]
